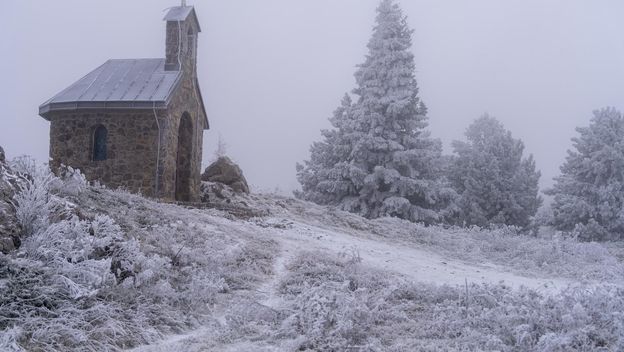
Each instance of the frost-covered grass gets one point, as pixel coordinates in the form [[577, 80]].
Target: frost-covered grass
[[555, 256], [106, 270], [337, 304]]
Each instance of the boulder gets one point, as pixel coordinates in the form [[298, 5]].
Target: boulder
[[225, 171]]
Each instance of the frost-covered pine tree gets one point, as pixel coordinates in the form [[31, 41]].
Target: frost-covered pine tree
[[379, 160], [325, 177], [589, 193], [496, 185]]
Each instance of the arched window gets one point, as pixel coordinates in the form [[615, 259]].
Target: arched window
[[100, 137]]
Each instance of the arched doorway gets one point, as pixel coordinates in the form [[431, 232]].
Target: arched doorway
[[183, 159]]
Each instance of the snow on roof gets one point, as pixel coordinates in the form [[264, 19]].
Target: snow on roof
[[131, 83], [181, 13]]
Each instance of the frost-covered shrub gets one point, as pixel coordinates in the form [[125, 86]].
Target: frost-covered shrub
[[73, 182], [35, 201], [38, 304], [80, 252], [347, 306], [39, 198], [25, 165], [331, 303], [107, 282], [243, 265], [9, 340]]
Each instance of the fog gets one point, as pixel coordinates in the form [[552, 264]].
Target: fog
[[273, 71]]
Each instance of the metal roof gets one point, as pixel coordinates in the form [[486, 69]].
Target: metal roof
[[132, 83], [181, 13]]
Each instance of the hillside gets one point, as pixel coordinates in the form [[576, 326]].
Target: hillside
[[103, 269]]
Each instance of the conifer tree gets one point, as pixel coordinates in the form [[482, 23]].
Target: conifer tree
[[496, 185], [379, 160], [589, 193], [324, 178]]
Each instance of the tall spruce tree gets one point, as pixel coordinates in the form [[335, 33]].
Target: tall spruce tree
[[496, 185], [589, 193], [379, 160]]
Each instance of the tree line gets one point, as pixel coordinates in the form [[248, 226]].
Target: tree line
[[380, 160]]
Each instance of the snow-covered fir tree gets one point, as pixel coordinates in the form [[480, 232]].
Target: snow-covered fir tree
[[325, 177], [589, 193], [496, 185], [379, 160]]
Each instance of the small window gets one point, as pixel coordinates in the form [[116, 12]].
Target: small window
[[190, 43], [99, 143]]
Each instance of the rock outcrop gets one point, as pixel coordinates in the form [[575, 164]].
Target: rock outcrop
[[225, 171], [10, 228]]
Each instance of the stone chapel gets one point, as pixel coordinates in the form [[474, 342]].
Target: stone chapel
[[137, 123]]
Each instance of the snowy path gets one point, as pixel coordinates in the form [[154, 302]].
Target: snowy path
[[413, 263]]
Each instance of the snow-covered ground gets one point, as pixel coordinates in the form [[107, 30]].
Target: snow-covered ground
[[413, 262], [299, 227], [296, 276]]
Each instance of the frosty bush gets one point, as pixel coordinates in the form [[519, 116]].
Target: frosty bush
[[336, 305], [35, 202], [25, 165], [87, 284], [496, 185], [379, 160], [73, 181], [589, 194]]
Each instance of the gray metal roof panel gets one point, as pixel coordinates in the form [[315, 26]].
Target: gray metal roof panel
[[76, 90], [98, 85], [120, 84], [119, 81], [166, 86], [125, 83], [142, 74], [115, 80]]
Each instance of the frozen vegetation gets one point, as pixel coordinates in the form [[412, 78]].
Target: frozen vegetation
[[107, 270], [403, 249], [380, 160]]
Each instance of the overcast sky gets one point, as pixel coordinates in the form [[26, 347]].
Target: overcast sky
[[272, 71]]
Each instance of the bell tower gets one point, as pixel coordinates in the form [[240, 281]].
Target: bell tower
[[181, 41]]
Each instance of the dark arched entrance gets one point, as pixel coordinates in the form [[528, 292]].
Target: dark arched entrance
[[183, 160]]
